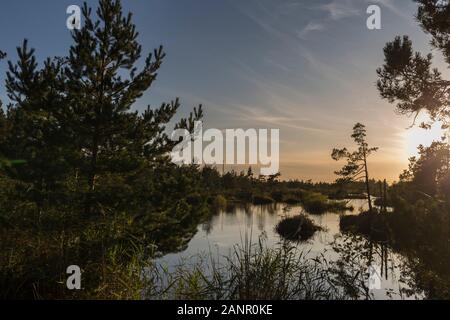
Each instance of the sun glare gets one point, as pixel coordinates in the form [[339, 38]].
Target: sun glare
[[417, 136]]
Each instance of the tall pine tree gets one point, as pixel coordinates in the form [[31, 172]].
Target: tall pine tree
[[102, 83], [357, 167]]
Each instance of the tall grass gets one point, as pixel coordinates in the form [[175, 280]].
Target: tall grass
[[255, 272]]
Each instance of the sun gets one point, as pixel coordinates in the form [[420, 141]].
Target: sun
[[416, 136]]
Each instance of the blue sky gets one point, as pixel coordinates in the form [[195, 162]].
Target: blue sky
[[305, 67]]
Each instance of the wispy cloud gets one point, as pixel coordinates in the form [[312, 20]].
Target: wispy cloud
[[310, 27], [389, 4], [267, 118], [337, 10], [340, 9], [267, 18], [331, 12]]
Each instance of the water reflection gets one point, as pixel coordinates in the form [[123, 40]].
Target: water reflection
[[357, 255], [354, 254]]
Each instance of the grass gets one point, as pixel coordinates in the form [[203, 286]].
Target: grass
[[316, 203], [112, 249], [110, 260], [312, 202], [256, 272], [297, 228], [262, 199]]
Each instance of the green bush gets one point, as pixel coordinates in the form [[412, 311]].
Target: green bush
[[316, 203], [262, 199], [298, 228], [220, 202]]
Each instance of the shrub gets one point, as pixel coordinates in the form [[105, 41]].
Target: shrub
[[277, 196], [220, 202], [372, 225], [298, 228], [316, 203], [262, 199]]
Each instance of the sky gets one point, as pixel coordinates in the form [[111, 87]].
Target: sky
[[305, 67]]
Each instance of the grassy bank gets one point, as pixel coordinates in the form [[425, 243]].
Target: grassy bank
[[316, 203], [313, 202]]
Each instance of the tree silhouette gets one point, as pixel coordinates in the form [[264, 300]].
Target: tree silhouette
[[429, 172], [408, 79], [356, 168], [103, 83]]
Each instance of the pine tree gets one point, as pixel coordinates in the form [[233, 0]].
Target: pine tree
[[357, 166], [407, 77], [102, 84]]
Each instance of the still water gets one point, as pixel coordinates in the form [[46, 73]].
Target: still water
[[237, 226]]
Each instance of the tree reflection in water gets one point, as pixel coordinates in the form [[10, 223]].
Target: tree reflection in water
[[356, 254]]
